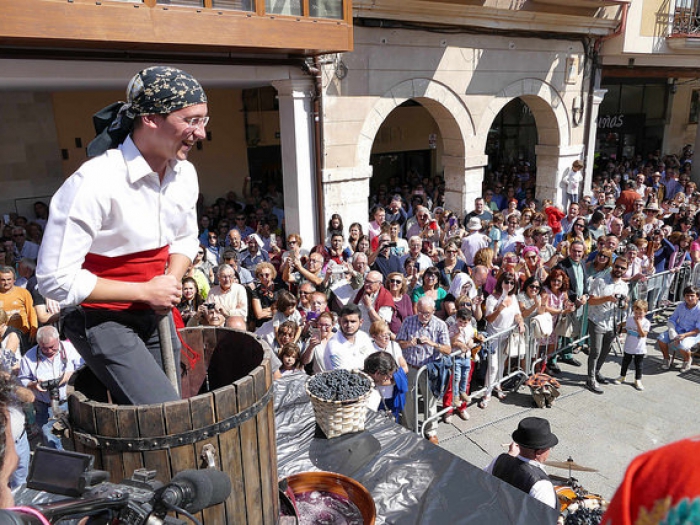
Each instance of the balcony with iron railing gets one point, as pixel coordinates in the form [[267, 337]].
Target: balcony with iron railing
[[684, 33], [234, 26]]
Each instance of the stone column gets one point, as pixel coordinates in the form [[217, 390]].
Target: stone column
[[464, 177], [595, 99], [346, 191], [298, 166], [552, 161]]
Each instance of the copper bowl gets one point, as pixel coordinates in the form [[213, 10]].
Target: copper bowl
[[339, 485]]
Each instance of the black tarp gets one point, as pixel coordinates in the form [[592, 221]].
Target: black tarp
[[411, 480]]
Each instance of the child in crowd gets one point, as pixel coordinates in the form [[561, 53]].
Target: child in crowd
[[290, 356], [462, 338], [635, 343], [390, 384], [287, 311]]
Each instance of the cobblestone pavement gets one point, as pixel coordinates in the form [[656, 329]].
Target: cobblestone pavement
[[600, 431]]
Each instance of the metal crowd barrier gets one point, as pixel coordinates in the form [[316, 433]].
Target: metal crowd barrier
[[665, 289], [495, 347], [670, 285]]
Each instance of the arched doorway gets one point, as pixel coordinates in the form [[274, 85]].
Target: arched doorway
[[551, 132], [406, 148]]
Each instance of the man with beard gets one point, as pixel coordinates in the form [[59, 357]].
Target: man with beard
[[349, 347], [608, 296]]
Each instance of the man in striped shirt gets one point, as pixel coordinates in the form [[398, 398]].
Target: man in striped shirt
[[423, 339]]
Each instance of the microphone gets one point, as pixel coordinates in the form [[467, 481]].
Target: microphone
[[195, 490]]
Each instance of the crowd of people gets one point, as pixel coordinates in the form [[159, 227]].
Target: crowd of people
[[418, 281]]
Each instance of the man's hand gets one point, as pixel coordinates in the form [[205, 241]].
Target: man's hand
[[163, 292]]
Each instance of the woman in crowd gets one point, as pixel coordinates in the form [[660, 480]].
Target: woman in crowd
[[526, 218], [412, 272], [530, 303], [502, 313], [453, 231], [450, 265], [382, 338], [354, 234], [429, 288], [315, 354], [555, 301], [334, 224], [601, 265], [463, 293], [579, 232], [264, 294], [363, 245], [202, 264], [191, 300], [396, 284], [533, 264]]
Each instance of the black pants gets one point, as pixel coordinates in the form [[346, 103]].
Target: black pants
[[122, 348], [627, 359]]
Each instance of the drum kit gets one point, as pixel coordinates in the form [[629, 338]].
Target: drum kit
[[573, 498]]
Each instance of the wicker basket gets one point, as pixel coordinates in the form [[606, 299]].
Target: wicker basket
[[340, 417]]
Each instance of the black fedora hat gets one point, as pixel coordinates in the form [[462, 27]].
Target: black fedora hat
[[534, 433]]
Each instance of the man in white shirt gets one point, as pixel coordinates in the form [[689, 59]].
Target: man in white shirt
[[348, 348], [50, 361], [123, 230], [475, 241]]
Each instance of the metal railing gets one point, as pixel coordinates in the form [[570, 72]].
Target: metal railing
[[661, 291], [665, 289], [496, 349], [685, 20]]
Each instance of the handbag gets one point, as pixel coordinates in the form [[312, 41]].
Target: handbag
[[565, 326], [542, 325], [516, 345]]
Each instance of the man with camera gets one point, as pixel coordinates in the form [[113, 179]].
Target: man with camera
[[383, 260], [45, 370], [608, 300]]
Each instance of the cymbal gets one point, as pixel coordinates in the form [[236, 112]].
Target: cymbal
[[570, 465]]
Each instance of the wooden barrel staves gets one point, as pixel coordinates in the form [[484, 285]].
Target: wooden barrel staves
[[230, 425]]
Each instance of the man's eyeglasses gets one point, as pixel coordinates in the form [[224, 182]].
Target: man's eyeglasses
[[195, 122]]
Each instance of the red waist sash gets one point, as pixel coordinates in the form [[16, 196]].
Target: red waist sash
[[137, 267]]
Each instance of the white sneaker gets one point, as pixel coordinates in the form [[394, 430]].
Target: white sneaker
[[666, 365], [686, 366], [638, 385], [619, 380]]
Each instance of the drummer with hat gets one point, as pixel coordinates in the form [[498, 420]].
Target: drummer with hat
[[523, 465]]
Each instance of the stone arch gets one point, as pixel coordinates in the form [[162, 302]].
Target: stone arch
[[444, 105], [554, 150], [546, 105]]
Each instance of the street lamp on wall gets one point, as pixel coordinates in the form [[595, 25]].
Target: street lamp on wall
[[577, 110]]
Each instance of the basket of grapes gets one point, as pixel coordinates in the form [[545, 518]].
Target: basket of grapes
[[339, 398]]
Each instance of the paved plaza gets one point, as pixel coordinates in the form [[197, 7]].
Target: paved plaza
[[601, 431]]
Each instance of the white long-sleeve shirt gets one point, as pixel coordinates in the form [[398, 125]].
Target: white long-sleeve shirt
[[115, 205]]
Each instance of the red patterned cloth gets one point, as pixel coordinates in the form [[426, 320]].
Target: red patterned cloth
[[661, 487]]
